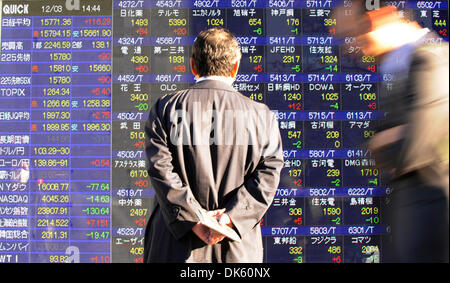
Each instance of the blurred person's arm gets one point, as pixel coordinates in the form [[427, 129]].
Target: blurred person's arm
[[426, 135]]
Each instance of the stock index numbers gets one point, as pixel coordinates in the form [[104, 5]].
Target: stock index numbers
[[77, 79]]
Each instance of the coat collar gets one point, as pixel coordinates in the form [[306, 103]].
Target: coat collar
[[213, 84]]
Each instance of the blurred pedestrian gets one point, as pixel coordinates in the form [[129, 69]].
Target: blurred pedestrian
[[411, 144]]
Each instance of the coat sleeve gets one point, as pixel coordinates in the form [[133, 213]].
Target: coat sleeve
[[173, 196], [426, 137], [253, 198]]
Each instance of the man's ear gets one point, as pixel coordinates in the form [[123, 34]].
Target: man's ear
[[193, 70], [235, 69]]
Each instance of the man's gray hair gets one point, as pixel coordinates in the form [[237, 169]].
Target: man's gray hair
[[215, 51]]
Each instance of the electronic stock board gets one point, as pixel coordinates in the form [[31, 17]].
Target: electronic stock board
[[77, 79]]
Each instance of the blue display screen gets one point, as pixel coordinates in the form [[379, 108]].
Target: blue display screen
[[77, 79]]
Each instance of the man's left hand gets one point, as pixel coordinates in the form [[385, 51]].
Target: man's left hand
[[223, 219]]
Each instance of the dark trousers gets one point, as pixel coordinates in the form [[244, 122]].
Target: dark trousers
[[417, 214]]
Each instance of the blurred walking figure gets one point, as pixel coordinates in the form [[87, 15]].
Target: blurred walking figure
[[411, 144]]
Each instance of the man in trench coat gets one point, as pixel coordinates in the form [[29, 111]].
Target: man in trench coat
[[212, 148]]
